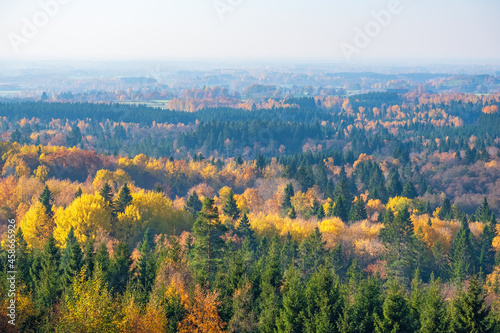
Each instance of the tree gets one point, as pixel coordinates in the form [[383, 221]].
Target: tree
[[72, 258], [194, 205], [445, 211], [146, 265], [395, 187], [484, 213], [462, 253], [269, 297], [340, 209], [202, 315], [78, 193], [36, 225], [291, 317], [103, 262], [469, 311], [286, 205], [395, 312], [409, 190], [244, 229], [107, 193], [359, 210], [124, 198], [243, 319], [48, 287], [230, 207], [208, 244], [120, 268], [433, 317], [46, 199]]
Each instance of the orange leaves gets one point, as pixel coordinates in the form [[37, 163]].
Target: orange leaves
[[490, 109], [202, 316]]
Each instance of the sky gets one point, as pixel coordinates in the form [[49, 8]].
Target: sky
[[278, 30]]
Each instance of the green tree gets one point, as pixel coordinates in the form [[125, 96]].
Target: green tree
[[484, 213], [46, 200], [72, 258], [230, 208], [78, 193], [124, 198], [48, 287], [146, 265], [409, 190], [395, 312], [462, 252], [107, 193], [120, 268], [395, 187], [286, 205], [340, 209], [291, 318], [445, 212], [208, 246], [194, 205], [469, 311], [433, 318]]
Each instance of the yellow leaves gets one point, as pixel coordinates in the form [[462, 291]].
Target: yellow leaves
[[397, 203], [333, 227], [250, 200], [89, 308], [496, 240], [443, 231], [115, 179], [42, 173], [362, 158], [202, 316], [301, 203], [490, 109], [128, 224], [493, 164], [373, 206], [86, 215], [36, 226], [270, 224]]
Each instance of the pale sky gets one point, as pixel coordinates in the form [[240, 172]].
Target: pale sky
[[250, 29]]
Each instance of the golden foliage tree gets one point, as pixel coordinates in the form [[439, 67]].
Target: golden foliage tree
[[36, 226]]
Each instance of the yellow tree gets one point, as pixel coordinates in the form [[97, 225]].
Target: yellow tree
[[36, 226], [87, 214], [202, 316]]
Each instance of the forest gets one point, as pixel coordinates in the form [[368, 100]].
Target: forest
[[364, 213]]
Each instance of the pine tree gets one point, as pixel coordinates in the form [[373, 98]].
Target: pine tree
[[230, 207], [208, 246], [312, 252], [292, 214], [359, 210], [291, 317], [194, 205], [486, 250], [88, 258], [244, 229], [269, 298], [124, 198]]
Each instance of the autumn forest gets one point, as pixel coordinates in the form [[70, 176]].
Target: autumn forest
[[334, 212]]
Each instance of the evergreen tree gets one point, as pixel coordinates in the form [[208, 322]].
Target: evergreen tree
[[107, 193], [72, 259], [146, 265], [120, 268], [291, 318], [286, 205], [409, 191], [194, 205], [230, 207], [78, 193], [359, 210], [292, 214], [208, 246], [484, 213], [433, 318], [312, 252], [269, 297], [395, 187], [88, 258], [102, 260], [445, 211], [46, 199], [396, 312], [340, 209], [469, 311], [124, 198], [244, 229], [48, 286], [462, 253]]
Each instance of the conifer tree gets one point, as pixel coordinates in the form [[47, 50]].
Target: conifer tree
[[395, 312], [78, 193], [291, 318], [340, 209], [484, 213], [48, 286], [395, 187], [124, 198], [194, 205], [433, 318], [208, 246], [107, 193], [289, 193], [409, 190], [230, 207], [102, 260], [445, 211], [462, 252], [120, 268], [72, 259], [46, 200]]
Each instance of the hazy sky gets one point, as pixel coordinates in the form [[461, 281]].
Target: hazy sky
[[248, 29]]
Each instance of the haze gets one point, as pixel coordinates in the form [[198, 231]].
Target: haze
[[252, 29]]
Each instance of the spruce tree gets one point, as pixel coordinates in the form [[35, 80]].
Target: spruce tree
[[359, 210], [208, 246], [124, 198], [291, 318], [286, 205], [107, 193], [462, 253], [395, 312], [194, 205], [146, 265], [409, 190], [102, 261], [244, 229], [484, 213], [395, 187], [120, 268], [46, 200], [445, 211], [78, 193], [230, 208], [433, 317], [72, 259], [340, 209], [48, 286]]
